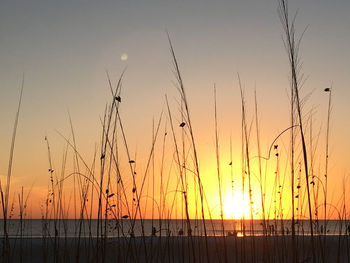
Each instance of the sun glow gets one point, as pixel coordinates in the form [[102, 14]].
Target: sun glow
[[236, 206]]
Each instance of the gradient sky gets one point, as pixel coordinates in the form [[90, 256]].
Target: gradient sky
[[65, 47]]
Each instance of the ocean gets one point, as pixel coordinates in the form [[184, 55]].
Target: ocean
[[168, 227]]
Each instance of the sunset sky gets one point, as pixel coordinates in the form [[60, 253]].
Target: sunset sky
[[64, 49]]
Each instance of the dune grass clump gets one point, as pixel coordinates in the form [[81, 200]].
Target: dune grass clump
[[112, 195]]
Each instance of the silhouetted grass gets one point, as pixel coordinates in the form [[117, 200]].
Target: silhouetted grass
[[110, 197]]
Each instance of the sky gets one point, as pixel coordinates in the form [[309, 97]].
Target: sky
[[64, 48]]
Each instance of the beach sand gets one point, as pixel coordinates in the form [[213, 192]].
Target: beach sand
[[176, 249]]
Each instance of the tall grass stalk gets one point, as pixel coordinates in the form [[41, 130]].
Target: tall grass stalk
[[292, 47], [219, 176], [52, 199], [22, 204], [183, 183], [243, 172], [292, 172], [246, 135], [261, 182], [329, 90], [5, 195], [181, 89]]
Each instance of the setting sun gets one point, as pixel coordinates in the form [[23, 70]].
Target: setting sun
[[236, 207]]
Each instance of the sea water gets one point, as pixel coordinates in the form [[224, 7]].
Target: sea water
[[167, 227]]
